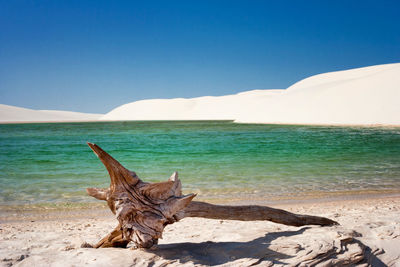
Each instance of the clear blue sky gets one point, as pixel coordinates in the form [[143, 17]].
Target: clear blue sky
[[92, 56]]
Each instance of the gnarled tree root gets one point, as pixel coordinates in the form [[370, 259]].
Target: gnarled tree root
[[144, 209]]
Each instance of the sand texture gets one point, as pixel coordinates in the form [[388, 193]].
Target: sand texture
[[369, 234]]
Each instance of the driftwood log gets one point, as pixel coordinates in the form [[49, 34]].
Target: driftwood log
[[144, 209]]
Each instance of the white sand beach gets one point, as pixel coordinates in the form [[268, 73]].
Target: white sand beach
[[369, 230], [281, 117], [368, 235]]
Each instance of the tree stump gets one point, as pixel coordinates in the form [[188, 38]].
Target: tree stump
[[144, 209]]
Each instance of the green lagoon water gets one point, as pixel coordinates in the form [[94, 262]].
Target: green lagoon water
[[44, 164]]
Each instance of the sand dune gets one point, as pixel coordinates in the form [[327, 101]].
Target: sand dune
[[364, 96], [200, 108], [17, 114], [359, 96]]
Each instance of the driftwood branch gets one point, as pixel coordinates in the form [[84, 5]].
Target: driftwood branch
[[144, 209], [252, 213]]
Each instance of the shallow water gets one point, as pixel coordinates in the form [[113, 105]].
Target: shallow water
[[51, 163]]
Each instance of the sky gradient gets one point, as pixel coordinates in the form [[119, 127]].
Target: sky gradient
[[92, 56]]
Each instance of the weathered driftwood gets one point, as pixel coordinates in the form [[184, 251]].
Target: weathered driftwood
[[144, 209]]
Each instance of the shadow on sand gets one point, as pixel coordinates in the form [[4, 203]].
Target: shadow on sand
[[211, 253]]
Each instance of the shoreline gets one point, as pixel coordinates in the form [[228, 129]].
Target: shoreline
[[377, 125], [64, 211]]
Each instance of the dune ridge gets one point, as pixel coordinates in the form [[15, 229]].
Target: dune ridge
[[199, 108], [362, 96], [359, 96]]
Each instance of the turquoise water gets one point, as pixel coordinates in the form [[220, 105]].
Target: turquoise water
[[47, 163]]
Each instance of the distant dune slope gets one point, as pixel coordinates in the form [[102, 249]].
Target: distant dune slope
[[17, 114], [369, 95], [363, 96], [199, 108]]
